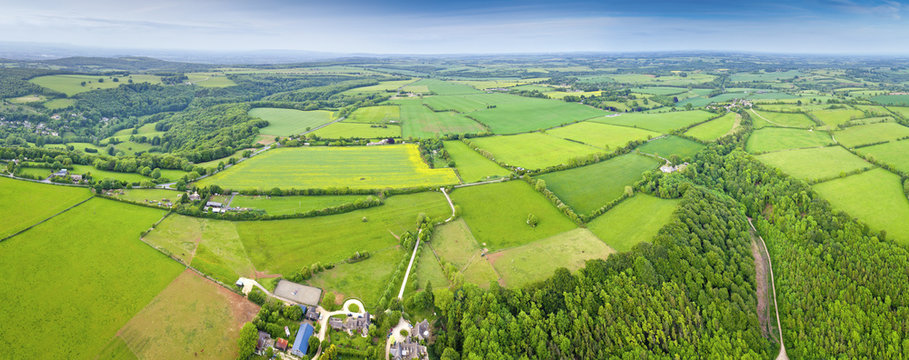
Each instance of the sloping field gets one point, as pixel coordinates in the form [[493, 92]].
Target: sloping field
[[25, 203], [419, 121], [660, 90], [891, 99], [602, 135], [375, 114], [471, 165], [440, 87], [210, 79], [284, 122], [497, 214], [671, 145], [869, 134], [588, 188], [767, 118], [383, 86], [80, 276], [520, 114], [72, 84], [282, 205], [775, 139], [659, 122], [375, 167], [904, 111], [834, 117], [364, 280], [454, 243], [894, 153], [875, 197], [714, 129], [533, 150], [632, 221], [815, 163], [466, 103], [538, 260], [358, 131]]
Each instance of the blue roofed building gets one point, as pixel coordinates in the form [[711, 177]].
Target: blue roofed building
[[301, 343]]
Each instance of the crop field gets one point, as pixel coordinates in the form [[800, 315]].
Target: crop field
[[439, 87], [632, 221], [209, 79], [716, 128], [376, 167], [57, 104], [190, 316], [284, 122], [527, 114], [602, 135], [346, 130], [815, 163], [869, 134], [421, 122], [875, 197], [671, 145], [471, 165], [284, 246], [588, 188], [498, 83], [72, 84], [660, 90], [497, 214], [902, 100], [45, 200], [364, 280], [834, 117], [533, 150], [775, 139], [83, 303], [538, 260], [767, 118], [281, 205], [659, 122], [384, 86], [893, 153], [382, 114]]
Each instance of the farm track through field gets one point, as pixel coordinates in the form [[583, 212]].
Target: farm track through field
[[766, 119], [48, 218], [776, 309]]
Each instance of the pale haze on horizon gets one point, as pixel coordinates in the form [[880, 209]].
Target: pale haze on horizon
[[409, 27]]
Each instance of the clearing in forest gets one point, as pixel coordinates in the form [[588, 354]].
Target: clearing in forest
[[72, 84], [533, 150], [285, 122], [632, 221], [663, 122], [775, 139], [590, 187], [815, 164], [537, 261], [471, 165], [609, 137], [875, 197]]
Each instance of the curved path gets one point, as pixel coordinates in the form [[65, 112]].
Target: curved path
[[325, 315], [450, 204], [776, 309]]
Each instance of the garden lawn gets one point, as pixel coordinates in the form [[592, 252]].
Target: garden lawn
[[660, 122], [775, 139], [632, 221], [893, 153], [80, 276], [375, 115], [875, 197], [497, 214], [588, 188], [284, 205], [671, 145], [285, 122], [521, 114], [815, 164], [602, 135], [763, 119], [538, 260], [471, 165], [374, 167], [72, 84], [533, 150], [870, 134], [358, 131], [715, 129], [421, 122], [25, 203]]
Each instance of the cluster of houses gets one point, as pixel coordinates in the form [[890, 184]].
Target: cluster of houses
[[352, 324], [64, 173], [411, 348], [300, 346]]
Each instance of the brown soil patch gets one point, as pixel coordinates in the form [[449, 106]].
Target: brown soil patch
[[339, 298], [493, 257], [266, 139], [242, 309], [762, 281], [265, 275]]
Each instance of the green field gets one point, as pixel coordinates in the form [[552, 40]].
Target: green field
[[600, 135], [427, 269], [209, 79], [471, 165], [80, 276], [891, 99], [33, 172], [875, 197], [364, 280], [375, 115], [358, 131], [815, 163], [893, 153], [72, 84], [375, 167], [497, 214], [149, 196], [466, 103], [57, 104], [533, 150], [33, 98], [671, 145], [283, 205], [439, 87], [647, 79], [384, 86], [764, 76], [538, 260], [902, 111], [284, 122], [834, 117], [179, 236], [775, 139], [104, 174], [714, 129], [420, 122], [766, 118], [25, 203], [660, 90], [559, 95], [588, 188], [869, 134], [659, 122], [520, 114], [632, 221]]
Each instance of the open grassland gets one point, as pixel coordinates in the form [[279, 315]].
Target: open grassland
[[285, 246], [72, 84], [714, 129], [632, 221], [191, 317], [209, 79], [375, 167], [27, 99], [146, 129], [471, 165], [498, 83], [364, 280], [537, 261], [646, 79], [815, 163], [762, 119], [902, 100], [775, 139], [834, 117], [559, 95], [384, 86], [659, 122], [57, 104], [440, 87], [902, 111], [80, 276], [149, 196], [375, 115], [428, 269], [660, 90], [533, 150], [588, 188], [602, 135], [285, 122], [874, 110], [875, 197], [25, 203], [869, 134], [497, 214], [453, 242], [421, 122], [764, 76], [894, 153], [104, 174], [872, 120], [347, 130], [466, 103], [520, 114], [178, 236], [282, 205], [671, 145]]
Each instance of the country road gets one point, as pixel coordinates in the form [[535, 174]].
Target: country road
[[776, 309]]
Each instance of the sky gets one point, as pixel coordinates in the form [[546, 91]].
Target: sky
[[465, 27]]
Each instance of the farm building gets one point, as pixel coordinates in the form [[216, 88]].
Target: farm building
[[301, 343], [422, 330], [408, 349], [281, 344], [301, 294], [335, 323], [310, 313], [263, 342], [61, 172], [358, 324]]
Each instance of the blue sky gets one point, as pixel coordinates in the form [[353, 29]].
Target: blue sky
[[474, 26]]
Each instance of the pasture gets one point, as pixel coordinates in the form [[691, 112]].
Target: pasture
[[104, 174], [520, 114], [815, 163], [420, 122], [892, 153], [559, 95], [663, 122], [285, 122], [346, 130], [33, 98], [465, 103], [675, 79], [775, 139], [671, 145], [382, 114], [375, 167], [72, 84], [588, 188], [767, 118], [875, 197], [902, 100], [901, 111], [870, 134], [381, 87], [149, 196], [364, 280], [497, 214], [716, 128], [25, 203], [834, 117], [440, 87], [86, 275], [533, 150], [57, 104], [601, 135], [454, 243], [33, 172], [660, 90], [283, 205], [537, 261], [209, 79], [427, 269], [635, 220], [761, 76], [470, 165]]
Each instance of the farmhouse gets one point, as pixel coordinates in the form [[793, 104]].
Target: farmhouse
[[310, 313], [61, 172], [335, 323], [408, 349], [263, 342], [358, 324], [281, 344], [301, 343]]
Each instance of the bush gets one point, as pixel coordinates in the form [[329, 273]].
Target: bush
[[257, 296]]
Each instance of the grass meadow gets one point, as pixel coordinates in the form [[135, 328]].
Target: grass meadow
[[869, 134], [285, 122], [588, 188], [427, 269], [209, 79], [875, 197], [671, 145], [149, 196], [25, 203], [358, 131], [775, 139], [57, 104], [892, 153], [815, 163], [471, 165], [716, 128], [420, 122], [602, 135], [902, 111], [364, 280], [283, 205], [632, 221], [834, 117], [384, 86], [440, 87], [762, 119], [72, 84], [375, 115], [521, 114], [538, 260], [466, 103], [659, 122], [454, 243], [533, 150]]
